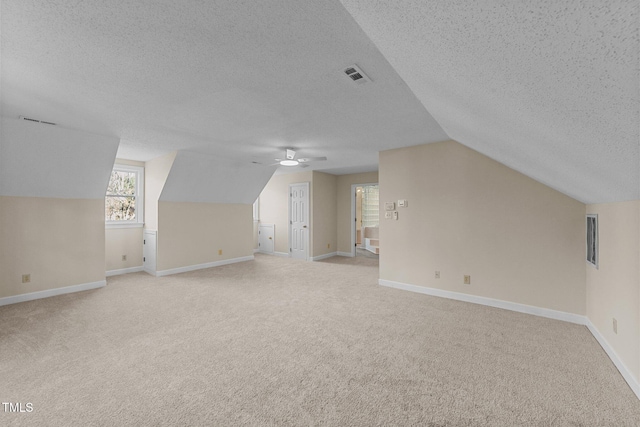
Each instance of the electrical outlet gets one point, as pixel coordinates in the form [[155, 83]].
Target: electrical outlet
[[219, 251], [387, 215], [437, 274], [124, 257], [467, 280], [615, 326], [26, 278]]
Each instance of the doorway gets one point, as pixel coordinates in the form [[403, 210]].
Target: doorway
[[299, 221], [365, 231]]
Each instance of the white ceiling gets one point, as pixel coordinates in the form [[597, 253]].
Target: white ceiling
[[549, 88], [238, 79]]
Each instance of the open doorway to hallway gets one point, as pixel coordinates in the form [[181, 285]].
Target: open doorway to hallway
[[365, 230]]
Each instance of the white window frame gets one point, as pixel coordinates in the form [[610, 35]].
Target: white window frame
[[592, 235], [139, 221]]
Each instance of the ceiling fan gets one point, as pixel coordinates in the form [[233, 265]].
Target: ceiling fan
[[290, 159]]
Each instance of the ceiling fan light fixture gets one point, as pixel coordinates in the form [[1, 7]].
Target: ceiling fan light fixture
[[289, 162]]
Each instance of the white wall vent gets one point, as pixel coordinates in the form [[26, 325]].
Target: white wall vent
[[29, 119], [356, 74]]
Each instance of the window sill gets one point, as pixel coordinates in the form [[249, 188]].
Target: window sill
[[109, 225]]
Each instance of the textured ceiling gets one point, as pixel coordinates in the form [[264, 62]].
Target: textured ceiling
[[549, 88], [240, 80]]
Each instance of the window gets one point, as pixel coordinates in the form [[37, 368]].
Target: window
[[124, 201], [370, 206], [592, 240]]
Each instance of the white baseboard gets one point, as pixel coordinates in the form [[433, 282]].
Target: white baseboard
[[51, 292], [202, 266], [283, 254], [125, 271], [528, 309], [349, 254], [256, 250], [149, 271], [513, 306], [325, 256], [624, 371]]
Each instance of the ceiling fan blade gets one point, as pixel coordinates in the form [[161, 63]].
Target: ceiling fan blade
[[303, 165], [311, 159]]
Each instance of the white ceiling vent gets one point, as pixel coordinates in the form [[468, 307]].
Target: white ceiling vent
[[29, 119], [356, 74]]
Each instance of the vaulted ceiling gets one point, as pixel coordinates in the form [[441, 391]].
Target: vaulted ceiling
[[549, 88]]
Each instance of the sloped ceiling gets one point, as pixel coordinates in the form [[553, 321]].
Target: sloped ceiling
[[38, 160], [196, 177], [549, 88], [241, 80]]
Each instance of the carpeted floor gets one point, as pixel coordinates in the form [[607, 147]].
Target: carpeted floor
[[282, 342]]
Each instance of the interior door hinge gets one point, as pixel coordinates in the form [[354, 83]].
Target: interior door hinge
[[144, 242], [144, 259]]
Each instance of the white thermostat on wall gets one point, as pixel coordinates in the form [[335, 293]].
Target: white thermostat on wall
[[402, 203], [389, 206]]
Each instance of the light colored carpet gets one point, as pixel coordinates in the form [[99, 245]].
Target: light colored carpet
[[283, 342]]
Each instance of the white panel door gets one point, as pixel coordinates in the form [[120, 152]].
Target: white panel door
[[299, 220], [149, 252], [265, 238]]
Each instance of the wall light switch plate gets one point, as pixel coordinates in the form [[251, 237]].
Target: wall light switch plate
[[395, 214], [402, 203], [389, 206]]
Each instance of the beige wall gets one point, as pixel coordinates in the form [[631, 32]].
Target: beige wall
[[468, 215], [344, 220], [60, 242], [192, 233], [123, 241], [156, 172], [324, 225], [274, 206], [613, 290]]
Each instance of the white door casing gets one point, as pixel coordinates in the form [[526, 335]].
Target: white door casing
[[299, 220], [266, 235]]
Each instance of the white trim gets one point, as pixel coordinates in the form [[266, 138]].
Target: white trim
[[325, 256], [280, 254], [256, 250], [149, 271], [513, 306], [51, 292], [123, 224], [353, 215], [202, 266], [347, 254], [308, 218], [139, 221], [634, 384], [125, 271], [624, 371]]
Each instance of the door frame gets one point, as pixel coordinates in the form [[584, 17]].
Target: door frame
[[308, 239], [353, 213]]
